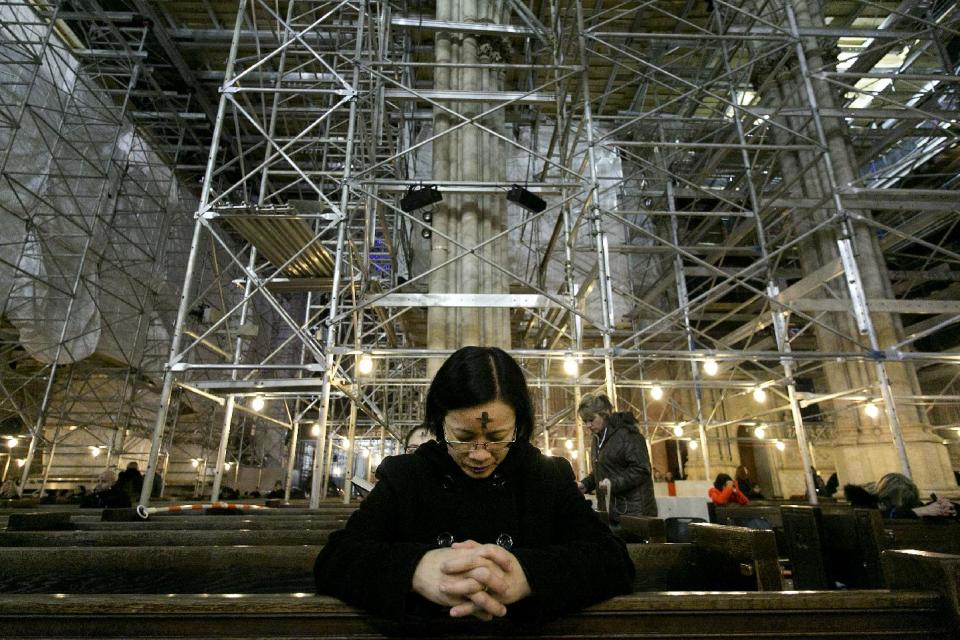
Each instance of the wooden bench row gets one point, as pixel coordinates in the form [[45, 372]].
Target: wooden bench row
[[833, 545], [53, 521], [719, 558], [923, 603]]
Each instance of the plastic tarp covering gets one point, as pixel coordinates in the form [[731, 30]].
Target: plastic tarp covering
[[83, 212]]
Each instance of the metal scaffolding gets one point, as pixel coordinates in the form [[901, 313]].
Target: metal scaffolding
[[750, 221]]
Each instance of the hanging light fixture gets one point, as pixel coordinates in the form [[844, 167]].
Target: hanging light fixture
[[570, 366], [258, 402], [656, 392], [759, 394], [365, 364], [710, 367], [871, 409]]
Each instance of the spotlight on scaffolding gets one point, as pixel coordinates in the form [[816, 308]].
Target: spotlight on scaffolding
[[678, 431], [656, 392], [570, 366], [710, 367], [94, 451], [871, 409], [780, 445], [365, 364], [420, 197], [258, 402], [315, 430], [12, 442], [692, 445], [529, 201], [21, 462], [760, 432], [568, 444], [759, 394]]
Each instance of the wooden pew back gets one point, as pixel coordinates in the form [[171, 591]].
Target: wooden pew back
[[642, 529], [737, 558]]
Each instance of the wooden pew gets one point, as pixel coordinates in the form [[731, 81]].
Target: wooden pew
[[751, 515], [843, 545], [640, 529], [923, 604], [929, 534], [164, 538], [62, 522], [720, 558], [263, 569], [737, 557]]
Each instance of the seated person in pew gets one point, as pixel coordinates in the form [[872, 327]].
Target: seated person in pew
[[725, 491], [897, 497], [476, 522], [746, 487]]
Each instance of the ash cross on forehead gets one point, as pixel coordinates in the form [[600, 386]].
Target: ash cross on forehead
[[484, 420]]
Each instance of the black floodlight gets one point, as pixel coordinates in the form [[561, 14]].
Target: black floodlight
[[426, 233], [428, 217], [525, 199], [420, 197]]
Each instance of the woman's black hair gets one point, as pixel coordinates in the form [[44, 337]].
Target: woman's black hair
[[477, 375], [721, 480]]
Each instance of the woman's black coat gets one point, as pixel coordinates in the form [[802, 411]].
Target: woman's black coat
[[620, 454], [570, 558]]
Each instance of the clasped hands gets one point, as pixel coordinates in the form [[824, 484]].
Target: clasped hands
[[472, 579]]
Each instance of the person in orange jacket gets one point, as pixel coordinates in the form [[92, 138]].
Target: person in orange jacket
[[725, 491]]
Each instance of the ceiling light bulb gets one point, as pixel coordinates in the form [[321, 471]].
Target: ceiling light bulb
[[678, 431], [346, 444], [780, 445], [759, 395], [656, 392], [568, 444], [570, 366], [760, 432], [194, 463], [257, 403], [94, 451], [365, 364], [21, 462], [692, 445], [710, 367], [315, 431], [871, 410], [12, 442]]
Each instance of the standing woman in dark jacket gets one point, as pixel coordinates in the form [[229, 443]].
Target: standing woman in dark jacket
[[478, 522], [619, 455]]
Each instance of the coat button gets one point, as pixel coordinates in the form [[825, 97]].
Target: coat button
[[505, 540], [444, 540]]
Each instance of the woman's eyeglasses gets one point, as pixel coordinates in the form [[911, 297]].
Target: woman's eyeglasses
[[492, 446]]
